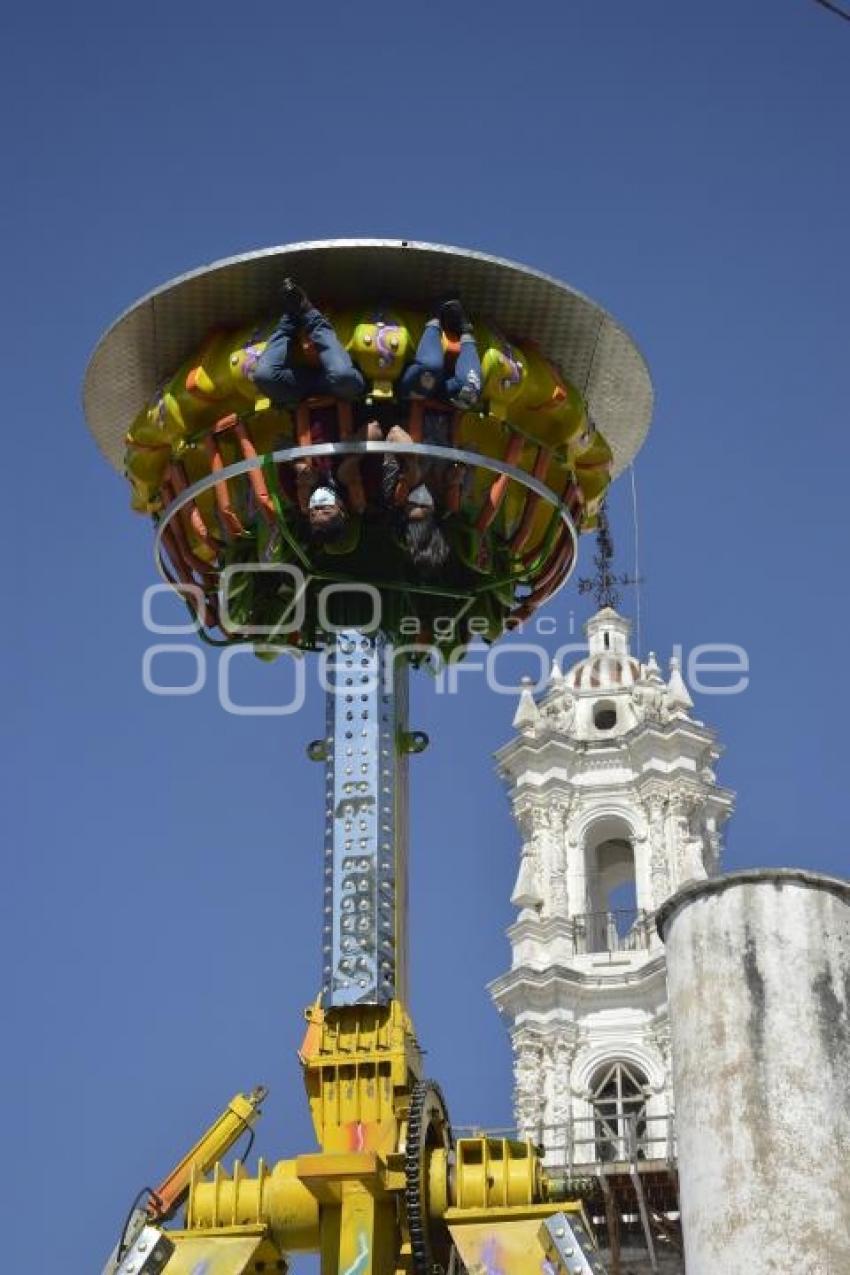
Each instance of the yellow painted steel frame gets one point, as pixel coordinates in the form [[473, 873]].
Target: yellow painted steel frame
[[360, 1064], [511, 1240], [346, 1201]]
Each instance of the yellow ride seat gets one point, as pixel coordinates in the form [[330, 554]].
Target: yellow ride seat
[[210, 380], [503, 370], [245, 350], [179, 412], [380, 344], [145, 465], [548, 407], [593, 468]]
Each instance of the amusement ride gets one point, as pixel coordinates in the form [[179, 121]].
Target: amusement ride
[[513, 475]]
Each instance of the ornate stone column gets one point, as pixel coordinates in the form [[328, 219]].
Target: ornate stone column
[[529, 1105], [559, 1113], [559, 894], [659, 857]]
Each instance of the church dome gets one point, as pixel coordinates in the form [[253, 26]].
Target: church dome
[[605, 671]]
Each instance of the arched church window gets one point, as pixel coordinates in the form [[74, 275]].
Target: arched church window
[[605, 715], [618, 1094]]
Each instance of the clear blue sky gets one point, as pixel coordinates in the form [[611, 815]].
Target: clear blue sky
[[684, 164]]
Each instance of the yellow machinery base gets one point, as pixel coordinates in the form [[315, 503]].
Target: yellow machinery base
[[389, 1192]]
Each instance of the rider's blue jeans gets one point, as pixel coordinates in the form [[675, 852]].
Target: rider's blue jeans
[[426, 377], [286, 385]]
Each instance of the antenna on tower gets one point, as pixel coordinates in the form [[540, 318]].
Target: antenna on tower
[[605, 585]]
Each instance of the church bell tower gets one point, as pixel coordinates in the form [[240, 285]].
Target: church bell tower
[[612, 783]]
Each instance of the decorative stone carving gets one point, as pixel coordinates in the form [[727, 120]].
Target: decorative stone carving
[[559, 713], [527, 715], [712, 845], [527, 893], [687, 810], [530, 892], [528, 1085], [678, 696], [659, 861], [524, 822], [649, 696], [563, 1053], [558, 892]]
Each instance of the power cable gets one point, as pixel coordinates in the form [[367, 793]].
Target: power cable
[[637, 561], [834, 8], [244, 1155]]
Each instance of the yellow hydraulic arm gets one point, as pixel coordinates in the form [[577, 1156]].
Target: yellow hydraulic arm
[[241, 1113], [144, 1248]]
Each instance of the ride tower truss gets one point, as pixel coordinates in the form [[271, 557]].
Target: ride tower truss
[[365, 752], [389, 1188]]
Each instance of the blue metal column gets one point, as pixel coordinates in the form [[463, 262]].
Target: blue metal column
[[365, 894]]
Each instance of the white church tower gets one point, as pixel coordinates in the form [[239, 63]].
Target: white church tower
[[612, 782]]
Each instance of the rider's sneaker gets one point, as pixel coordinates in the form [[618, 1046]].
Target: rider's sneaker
[[467, 396], [294, 299], [453, 320]]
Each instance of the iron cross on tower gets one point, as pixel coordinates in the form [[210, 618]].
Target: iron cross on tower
[[605, 584]]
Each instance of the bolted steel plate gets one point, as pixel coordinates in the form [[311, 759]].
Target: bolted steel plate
[[146, 345]]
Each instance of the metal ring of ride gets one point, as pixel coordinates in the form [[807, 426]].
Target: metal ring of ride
[[431, 450]]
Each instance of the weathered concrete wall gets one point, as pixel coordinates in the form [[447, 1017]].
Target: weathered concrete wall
[[759, 986]]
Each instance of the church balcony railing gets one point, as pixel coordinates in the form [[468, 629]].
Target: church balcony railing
[[583, 1145], [620, 930], [598, 1140]]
